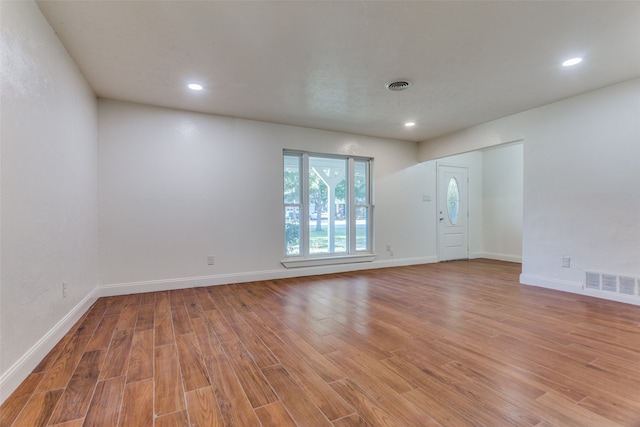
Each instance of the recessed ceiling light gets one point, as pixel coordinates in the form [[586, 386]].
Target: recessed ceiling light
[[195, 86], [572, 61], [409, 124]]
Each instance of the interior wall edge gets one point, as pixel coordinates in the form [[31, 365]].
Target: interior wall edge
[[497, 256], [11, 379], [253, 276], [575, 288]]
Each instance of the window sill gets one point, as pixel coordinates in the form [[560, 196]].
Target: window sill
[[313, 262]]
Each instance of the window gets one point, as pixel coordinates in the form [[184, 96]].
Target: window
[[327, 207], [453, 201]]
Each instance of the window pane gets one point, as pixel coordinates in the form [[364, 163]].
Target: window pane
[[362, 229], [291, 179], [318, 238], [318, 197], [327, 188], [292, 230], [360, 183], [340, 233], [453, 201], [328, 238]]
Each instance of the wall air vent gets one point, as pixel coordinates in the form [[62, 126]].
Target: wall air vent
[[622, 285], [592, 281], [627, 285], [609, 283]]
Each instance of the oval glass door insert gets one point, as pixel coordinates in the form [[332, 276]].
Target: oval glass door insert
[[453, 201]]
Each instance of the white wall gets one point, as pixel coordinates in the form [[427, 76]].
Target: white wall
[[582, 186], [502, 197], [506, 130], [581, 183], [177, 186], [49, 192]]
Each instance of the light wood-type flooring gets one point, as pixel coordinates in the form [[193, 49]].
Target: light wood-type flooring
[[450, 344]]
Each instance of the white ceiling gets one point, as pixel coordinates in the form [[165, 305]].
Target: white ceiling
[[325, 64]]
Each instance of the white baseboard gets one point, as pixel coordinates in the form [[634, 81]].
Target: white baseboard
[[404, 261], [11, 379], [223, 279], [550, 283], [497, 256], [575, 288]]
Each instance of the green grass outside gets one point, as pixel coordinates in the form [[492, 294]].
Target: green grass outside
[[319, 240]]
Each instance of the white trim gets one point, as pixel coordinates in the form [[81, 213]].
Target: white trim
[[223, 279], [575, 288], [330, 260], [550, 283], [402, 262], [496, 256], [18, 372]]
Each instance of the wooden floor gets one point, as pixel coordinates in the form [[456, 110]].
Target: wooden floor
[[451, 344]]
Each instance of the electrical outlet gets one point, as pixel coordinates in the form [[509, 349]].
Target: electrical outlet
[[566, 262], [64, 289], [210, 260]]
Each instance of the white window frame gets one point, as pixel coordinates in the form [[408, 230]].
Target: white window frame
[[352, 255]]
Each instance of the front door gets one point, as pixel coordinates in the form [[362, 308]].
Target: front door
[[453, 212]]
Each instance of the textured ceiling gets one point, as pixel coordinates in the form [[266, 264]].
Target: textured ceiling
[[325, 64]]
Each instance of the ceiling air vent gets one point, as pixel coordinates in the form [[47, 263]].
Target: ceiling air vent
[[399, 85]]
